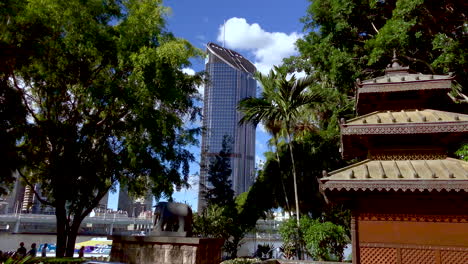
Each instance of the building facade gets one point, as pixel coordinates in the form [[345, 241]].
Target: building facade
[[132, 206], [230, 80]]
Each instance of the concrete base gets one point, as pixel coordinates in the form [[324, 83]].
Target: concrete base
[[165, 250]]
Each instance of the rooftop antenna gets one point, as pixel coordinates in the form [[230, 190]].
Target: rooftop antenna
[[224, 33]]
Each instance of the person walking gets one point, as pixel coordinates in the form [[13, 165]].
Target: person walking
[[81, 252], [44, 250], [33, 250], [21, 251]]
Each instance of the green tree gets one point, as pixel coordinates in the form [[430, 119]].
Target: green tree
[[322, 240], [105, 101], [347, 39], [289, 98], [226, 216], [12, 115], [462, 152], [219, 176]]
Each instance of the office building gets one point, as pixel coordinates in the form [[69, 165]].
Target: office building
[[230, 80], [134, 206]]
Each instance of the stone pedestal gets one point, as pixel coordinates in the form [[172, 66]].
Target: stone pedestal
[[165, 250]]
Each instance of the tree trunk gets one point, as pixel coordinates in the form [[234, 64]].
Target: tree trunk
[[294, 178], [61, 217], [281, 178], [71, 239]]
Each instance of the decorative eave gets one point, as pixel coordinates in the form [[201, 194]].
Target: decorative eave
[[417, 128], [392, 85], [405, 122], [387, 186], [399, 175]]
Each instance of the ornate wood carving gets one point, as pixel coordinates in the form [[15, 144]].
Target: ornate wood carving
[[372, 255], [409, 254], [413, 218], [416, 128], [409, 246], [395, 185], [405, 156]]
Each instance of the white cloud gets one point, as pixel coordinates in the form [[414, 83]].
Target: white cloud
[[268, 48], [188, 71], [262, 128], [298, 75]]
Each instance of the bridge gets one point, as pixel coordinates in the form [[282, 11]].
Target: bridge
[[109, 221]]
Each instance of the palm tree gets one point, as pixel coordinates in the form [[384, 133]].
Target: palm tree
[[281, 104]]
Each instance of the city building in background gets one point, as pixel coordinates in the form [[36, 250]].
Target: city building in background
[[23, 199], [134, 206], [231, 79]]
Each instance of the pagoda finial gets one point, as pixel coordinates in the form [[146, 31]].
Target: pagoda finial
[[395, 61], [395, 67]]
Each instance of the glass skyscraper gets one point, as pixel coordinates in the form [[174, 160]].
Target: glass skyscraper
[[230, 80]]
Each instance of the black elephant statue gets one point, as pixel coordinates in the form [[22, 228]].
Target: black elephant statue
[[172, 219]]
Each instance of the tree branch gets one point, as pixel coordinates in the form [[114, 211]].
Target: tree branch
[[34, 190], [95, 202], [373, 26], [422, 61], [31, 112]]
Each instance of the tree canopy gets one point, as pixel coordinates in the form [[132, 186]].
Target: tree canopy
[[104, 101], [347, 39]]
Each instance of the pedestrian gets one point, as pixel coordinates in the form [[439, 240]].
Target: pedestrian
[[33, 250], [44, 250], [21, 251], [81, 252]]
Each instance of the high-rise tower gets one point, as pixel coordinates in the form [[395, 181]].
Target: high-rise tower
[[230, 80]]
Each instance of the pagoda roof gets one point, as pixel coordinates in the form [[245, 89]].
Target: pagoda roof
[[400, 88], [408, 79], [406, 175], [398, 78], [406, 122]]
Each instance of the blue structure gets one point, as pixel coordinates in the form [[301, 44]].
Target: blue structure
[[230, 80]]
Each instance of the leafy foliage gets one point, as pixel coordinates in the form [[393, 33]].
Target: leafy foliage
[[226, 216], [346, 39], [322, 240], [241, 261], [219, 174], [12, 116], [104, 98], [462, 152], [282, 102], [292, 237]]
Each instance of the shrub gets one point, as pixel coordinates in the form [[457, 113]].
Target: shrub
[[324, 241], [241, 261]]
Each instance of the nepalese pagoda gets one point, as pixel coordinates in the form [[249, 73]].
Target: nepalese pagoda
[[409, 199]]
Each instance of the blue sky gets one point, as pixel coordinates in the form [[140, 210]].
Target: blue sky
[[264, 31]]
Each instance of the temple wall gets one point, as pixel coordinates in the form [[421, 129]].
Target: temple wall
[[413, 238], [414, 232]]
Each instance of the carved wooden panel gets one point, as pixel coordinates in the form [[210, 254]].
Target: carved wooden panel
[[378, 255], [453, 257], [420, 256]]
